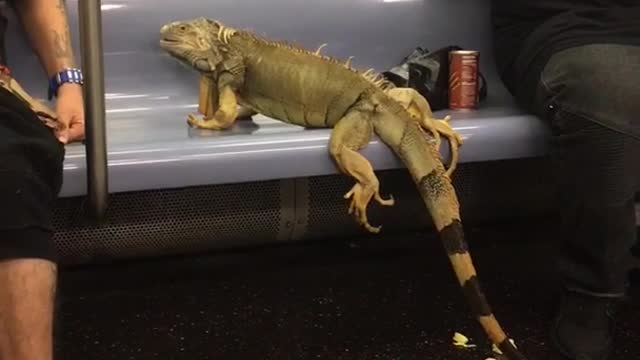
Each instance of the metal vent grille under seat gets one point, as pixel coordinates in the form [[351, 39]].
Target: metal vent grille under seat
[[173, 221], [168, 221]]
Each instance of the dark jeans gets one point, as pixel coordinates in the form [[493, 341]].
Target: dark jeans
[[590, 97]]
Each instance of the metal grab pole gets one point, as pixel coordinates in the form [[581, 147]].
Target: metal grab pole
[[90, 20]]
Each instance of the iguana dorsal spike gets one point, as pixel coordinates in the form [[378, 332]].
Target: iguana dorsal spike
[[370, 75], [347, 64], [320, 49]]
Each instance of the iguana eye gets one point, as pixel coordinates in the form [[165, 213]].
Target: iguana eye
[[183, 28]]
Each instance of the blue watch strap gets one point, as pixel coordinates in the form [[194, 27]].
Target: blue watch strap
[[71, 75]]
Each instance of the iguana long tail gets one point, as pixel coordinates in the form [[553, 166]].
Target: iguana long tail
[[422, 159]]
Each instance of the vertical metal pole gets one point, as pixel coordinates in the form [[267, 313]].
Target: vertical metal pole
[[90, 20]]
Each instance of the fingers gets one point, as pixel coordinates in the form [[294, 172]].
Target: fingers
[[47, 119], [52, 124], [46, 114], [70, 129], [76, 132], [62, 130]]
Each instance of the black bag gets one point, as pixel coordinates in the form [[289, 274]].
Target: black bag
[[428, 73]]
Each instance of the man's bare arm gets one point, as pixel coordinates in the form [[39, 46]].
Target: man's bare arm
[[45, 22]]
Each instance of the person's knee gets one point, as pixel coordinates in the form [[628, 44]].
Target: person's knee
[[597, 83], [593, 72]]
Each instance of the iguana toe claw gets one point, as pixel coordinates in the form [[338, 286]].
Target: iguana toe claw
[[210, 124], [372, 229], [192, 120], [388, 202], [439, 129], [360, 197]]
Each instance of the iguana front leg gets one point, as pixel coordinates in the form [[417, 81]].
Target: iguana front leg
[[419, 109], [208, 100], [225, 115], [231, 75], [352, 133]]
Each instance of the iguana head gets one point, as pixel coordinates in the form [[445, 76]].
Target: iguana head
[[196, 43]]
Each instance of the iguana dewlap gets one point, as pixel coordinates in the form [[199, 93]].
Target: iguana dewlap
[[305, 88]]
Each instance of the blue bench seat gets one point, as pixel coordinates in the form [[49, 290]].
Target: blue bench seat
[[159, 150]]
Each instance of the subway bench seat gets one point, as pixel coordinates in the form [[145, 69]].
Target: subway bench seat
[[150, 146]]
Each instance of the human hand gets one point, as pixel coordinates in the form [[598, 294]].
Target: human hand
[[70, 112]]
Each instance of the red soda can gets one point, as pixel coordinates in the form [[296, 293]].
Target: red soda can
[[463, 79]]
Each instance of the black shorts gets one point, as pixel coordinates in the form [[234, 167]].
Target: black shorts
[[31, 161]]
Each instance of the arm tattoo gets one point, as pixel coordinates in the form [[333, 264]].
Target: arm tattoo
[[60, 45], [62, 48]]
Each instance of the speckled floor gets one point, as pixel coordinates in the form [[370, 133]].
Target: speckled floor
[[389, 298]]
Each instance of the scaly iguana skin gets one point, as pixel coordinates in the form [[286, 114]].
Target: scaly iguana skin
[[301, 87]]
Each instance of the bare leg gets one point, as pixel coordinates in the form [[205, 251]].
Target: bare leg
[[352, 133], [418, 107], [27, 291]]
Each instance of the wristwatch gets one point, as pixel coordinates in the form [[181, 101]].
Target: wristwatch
[[71, 76]]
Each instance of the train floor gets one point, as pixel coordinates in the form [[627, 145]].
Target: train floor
[[383, 297]]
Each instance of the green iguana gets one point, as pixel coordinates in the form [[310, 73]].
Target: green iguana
[[303, 87]]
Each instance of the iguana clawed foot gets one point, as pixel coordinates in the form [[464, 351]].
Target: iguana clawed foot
[[442, 128], [220, 121], [361, 196], [352, 133]]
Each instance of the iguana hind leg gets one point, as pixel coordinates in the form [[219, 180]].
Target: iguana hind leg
[[419, 109], [352, 133]]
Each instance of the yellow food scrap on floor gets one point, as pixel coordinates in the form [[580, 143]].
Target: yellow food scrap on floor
[[461, 341]]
